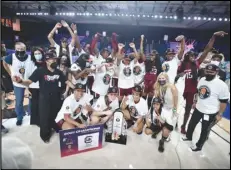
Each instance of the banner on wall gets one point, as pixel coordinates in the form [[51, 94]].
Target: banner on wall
[[75, 141]]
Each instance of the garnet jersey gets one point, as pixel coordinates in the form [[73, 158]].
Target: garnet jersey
[[190, 82]]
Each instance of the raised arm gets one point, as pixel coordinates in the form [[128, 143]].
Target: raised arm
[[180, 53], [73, 35], [77, 42], [132, 45], [210, 44], [119, 54], [142, 48], [51, 34]]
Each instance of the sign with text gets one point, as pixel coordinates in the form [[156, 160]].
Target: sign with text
[[79, 140]]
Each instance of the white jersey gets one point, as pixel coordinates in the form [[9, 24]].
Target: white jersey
[[137, 109], [100, 104], [126, 76], [103, 79], [168, 99], [73, 107], [22, 69], [210, 92], [139, 72], [171, 68], [70, 47]]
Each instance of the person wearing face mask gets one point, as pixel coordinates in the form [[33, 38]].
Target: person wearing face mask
[[51, 84], [76, 111], [65, 48], [106, 105], [20, 66], [152, 69], [37, 56], [135, 108], [103, 77], [212, 98], [168, 93], [216, 60], [170, 66]]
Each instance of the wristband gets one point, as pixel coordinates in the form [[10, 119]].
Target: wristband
[[75, 31]]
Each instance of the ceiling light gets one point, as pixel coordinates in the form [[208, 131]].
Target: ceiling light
[[214, 19], [220, 19], [161, 16], [209, 19], [199, 18], [226, 19], [189, 18], [195, 18], [204, 18], [175, 17]]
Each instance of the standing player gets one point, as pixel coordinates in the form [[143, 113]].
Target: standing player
[[212, 98]]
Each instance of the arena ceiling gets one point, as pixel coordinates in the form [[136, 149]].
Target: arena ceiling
[[195, 15]]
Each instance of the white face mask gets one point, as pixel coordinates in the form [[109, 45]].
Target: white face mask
[[217, 63], [38, 57]]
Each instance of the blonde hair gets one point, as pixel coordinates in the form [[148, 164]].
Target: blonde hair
[[158, 89]]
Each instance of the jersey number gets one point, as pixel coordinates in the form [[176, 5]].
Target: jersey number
[[188, 75]]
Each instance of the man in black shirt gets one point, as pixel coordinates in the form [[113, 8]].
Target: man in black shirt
[[51, 83], [216, 59]]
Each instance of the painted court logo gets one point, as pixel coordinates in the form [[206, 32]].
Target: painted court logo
[[204, 92]]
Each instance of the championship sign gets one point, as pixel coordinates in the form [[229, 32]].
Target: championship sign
[[117, 132], [80, 140]]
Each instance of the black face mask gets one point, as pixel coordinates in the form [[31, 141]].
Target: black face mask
[[21, 55], [53, 65], [209, 77]]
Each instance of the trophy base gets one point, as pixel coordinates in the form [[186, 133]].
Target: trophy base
[[122, 140]]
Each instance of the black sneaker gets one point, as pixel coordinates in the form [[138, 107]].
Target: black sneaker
[[154, 135], [161, 146], [195, 149], [19, 122], [186, 139]]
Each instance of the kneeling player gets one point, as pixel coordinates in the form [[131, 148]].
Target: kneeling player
[[106, 105], [134, 108], [153, 123], [76, 110]]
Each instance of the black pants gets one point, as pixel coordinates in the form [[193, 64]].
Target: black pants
[[34, 117], [205, 128], [49, 106]]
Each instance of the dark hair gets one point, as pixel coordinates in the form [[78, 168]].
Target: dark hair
[[33, 57], [68, 60], [192, 65], [156, 62], [81, 61], [152, 109]]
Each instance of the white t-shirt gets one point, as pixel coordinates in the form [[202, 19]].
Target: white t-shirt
[[102, 81], [74, 108], [166, 116], [18, 67], [171, 67], [139, 72], [70, 51], [138, 109], [210, 92], [100, 104], [126, 76]]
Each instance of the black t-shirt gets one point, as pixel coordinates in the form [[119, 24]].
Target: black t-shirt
[[221, 74], [49, 82]]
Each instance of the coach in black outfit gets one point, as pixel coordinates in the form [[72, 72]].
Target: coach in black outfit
[[52, 83]]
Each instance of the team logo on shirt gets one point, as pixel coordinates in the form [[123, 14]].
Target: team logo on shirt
[[136, 70], [51, 78], [133, 111], [165, 67], [127, 71], [204, 92], [106, 79], [78, 110]]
